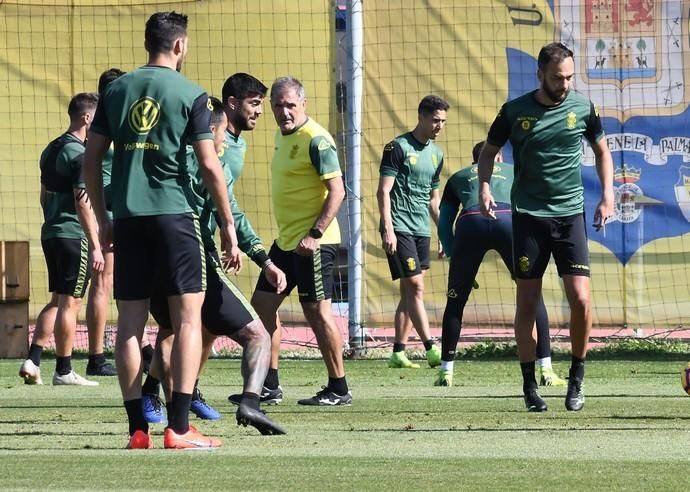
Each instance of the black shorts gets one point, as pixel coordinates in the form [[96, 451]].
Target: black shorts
[[312, 275], [68, 265], [158, 254], [536, 238], [411, 256], [225, 309]]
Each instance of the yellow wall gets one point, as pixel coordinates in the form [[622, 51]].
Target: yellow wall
[[48, 53]]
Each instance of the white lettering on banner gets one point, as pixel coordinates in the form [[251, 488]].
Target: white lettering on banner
[[656, 155]]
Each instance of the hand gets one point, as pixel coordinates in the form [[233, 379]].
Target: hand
[[603, 213], [441, 253], [275, 277], [231, 262], [307, 246], [390, 241], [230, 252], [105, 235], [97, 260], [487, 204]]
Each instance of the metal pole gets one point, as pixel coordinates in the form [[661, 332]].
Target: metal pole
[[355, 36]]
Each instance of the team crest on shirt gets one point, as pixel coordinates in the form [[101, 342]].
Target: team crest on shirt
[[412, 159], [525, 124], [434, 160], [570, 120], [324, 145], [523, 263], [143, 115], [411, 264], [293, 151]]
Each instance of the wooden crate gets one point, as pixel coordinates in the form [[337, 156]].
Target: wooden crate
[[14, 329], [14, 271]]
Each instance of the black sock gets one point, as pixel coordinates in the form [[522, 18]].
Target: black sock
[[577, 368], [135, 414], [251, 400], [63, 365], [271, 381], [168, 408], [338, 385], [178, 418], [529, 382], [428, 344], [151, 386], [398, 347], [147, 352], [35, 352], [97, 360]]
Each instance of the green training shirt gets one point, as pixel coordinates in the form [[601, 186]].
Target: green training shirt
[[151, 113], [547, 148], [248, 241], [61, 163], [462, 191], [416, 167], [232, 155]]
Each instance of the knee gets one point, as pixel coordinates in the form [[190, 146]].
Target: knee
[[254, 334], [315, 313], [581, 302], [70, 303], [414, 288]]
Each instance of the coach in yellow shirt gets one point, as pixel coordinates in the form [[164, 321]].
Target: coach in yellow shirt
[[307, 191]]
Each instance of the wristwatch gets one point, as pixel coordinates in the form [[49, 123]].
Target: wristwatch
[[315, 233]]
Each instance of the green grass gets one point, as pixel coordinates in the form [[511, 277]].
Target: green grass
[[401, 433]]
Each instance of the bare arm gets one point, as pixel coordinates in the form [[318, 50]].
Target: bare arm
[[383, 196], [87, 219], [434, 204], [604, 165], [96, 148], [485, 170], [434, 211], [334, 199]]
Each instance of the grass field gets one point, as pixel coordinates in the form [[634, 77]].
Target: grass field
[[401, 433]]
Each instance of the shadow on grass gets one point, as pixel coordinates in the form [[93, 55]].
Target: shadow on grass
[[509, 430], [44, 406], [44, 433]]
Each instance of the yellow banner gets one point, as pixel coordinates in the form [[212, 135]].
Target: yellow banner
[[632, 61], [52, 50]]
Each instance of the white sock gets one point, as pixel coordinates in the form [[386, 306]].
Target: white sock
[[447, 365], [544, 363]]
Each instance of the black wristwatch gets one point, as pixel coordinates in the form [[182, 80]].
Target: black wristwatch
[[315, 233]]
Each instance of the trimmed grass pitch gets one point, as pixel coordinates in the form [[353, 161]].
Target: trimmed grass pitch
[[401, 433]]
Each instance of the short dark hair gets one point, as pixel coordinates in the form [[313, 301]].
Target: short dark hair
[[82, 103], [553, 53], [431, 104], [217, 113], [162, 29], [477, 149], [107, 77], [242, 85]]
